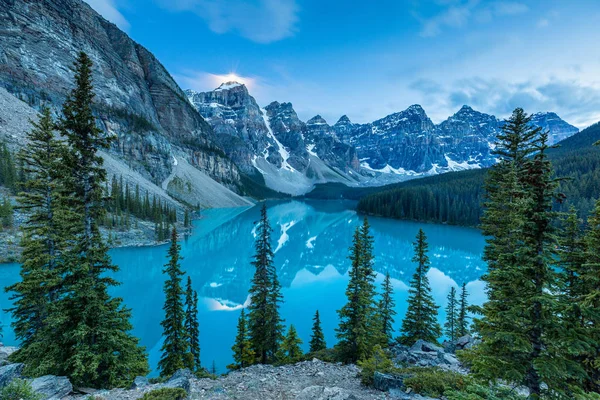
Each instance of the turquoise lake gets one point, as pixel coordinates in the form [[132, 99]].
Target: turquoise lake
[[310, 240]]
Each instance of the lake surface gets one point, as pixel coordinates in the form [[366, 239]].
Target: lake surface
[[311, 241]]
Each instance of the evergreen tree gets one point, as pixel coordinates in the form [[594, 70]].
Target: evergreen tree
[[8, 170], [386, 309], [420, 321], [192, 327], [213, 368], [584, 298], [33, 297], [89, 327], [359, 329], [264, 323], [243, 355], [290, 351], [452, 315], [175, 347], [522, 339], [317, 339], [462, 323]]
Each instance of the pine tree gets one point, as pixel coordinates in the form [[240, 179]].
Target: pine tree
[[213, 368], [41, 201], [264, 323], [359, 328], [462, 323], [452, 315], [386, 309], [420, 321], [90, 328], [290, 351], [243, 355], [522, 339], [192, 327], [175, 348], [317, 339]]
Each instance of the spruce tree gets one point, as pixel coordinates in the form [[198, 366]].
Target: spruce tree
[[359, 328], [317, 338], [191, 326], [522, 339], [462, 323], [90, 327], [452, 315], [175, 348], [41, 269], [420, 321], [386, 309], [264, 323], [243, 355], [290, 350]]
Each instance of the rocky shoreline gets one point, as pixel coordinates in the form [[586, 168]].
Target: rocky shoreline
[[306, 380]]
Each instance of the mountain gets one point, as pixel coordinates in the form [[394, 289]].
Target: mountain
[[273, 145], [160, 138], [409, 144], [456, 197]]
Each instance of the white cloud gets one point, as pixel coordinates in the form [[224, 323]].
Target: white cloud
[[204, 81], [108, 9], [262, 21], [459, 14], [575, 101]]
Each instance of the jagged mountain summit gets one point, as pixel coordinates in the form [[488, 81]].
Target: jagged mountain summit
[[272, 144], [409, 144]]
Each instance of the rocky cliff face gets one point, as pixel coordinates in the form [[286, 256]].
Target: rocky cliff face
[[136, 98], [409, 144], [273, 143]]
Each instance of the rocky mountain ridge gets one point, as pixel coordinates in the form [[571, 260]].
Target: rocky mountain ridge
[[272, 144], [408, 143], [137, 100]]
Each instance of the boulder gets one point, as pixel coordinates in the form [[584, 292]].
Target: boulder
[[180, 379], [5, 352], [10, 372], [387, 382], [52, 387], [140, 382], [325, 393], [421, 345]]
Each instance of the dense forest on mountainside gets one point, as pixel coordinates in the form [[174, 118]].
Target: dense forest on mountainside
[[455, 197]]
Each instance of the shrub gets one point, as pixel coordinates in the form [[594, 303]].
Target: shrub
[[434, 382], [203, 373], [166, 394], [379, 362], [18, 389], [330, 355], [482, 392]]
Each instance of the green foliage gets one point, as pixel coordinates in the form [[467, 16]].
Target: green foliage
[[123, 203], [166, 394], [6, 214], [386, 310], [264, 322], [452, 314], [290, 350], [243, 355], [317, 338], [359, 329], [522, 337], [462, 320], [192, 327], [434, 382], [377, 362], [175, 348], [456, 197], [8, 170], [478, 391], [420, 321], [84, 331], [330, 355], [19, 389]]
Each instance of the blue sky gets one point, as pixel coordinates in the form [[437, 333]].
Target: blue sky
[[368, 59]]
